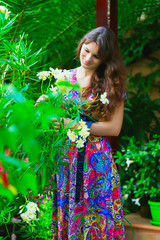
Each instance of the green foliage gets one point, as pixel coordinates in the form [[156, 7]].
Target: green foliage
[[55, 26], [140, 42], [5, 211], [144, 84], [141, 118], [34, 142], [45, 220], [132, 13], [138, 28], [141, 162], [40, 228], [17, 59], [29, 133]]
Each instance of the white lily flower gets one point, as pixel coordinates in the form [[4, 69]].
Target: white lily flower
[[103, 98], [84, 132], [136, 200], [128, 162], [54, 90], [125, 196], [28, 216], [24, 216], [4, 10], [43, 75], [80, 142], [55, 72], [72, 136], [67, 73], [31, 207], [31, 215], [60, 74], [60, 77], [81, 123]]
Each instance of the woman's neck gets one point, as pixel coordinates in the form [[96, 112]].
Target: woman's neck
[[84, 77], [83, 72]]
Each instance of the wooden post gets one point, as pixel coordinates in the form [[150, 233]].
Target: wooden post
[[114, 15], [101, 13], [107, 16]]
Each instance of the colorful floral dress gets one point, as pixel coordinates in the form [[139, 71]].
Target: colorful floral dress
[[99, 213]]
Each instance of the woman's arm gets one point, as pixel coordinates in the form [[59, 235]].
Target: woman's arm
[[111, 127], [104, 128]]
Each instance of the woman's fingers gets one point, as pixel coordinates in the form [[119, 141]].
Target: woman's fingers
[[36, 105], [66, 122], [56, 127], [57, 123], [42, 98]]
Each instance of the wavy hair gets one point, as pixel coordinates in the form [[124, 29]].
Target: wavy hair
[[110, 76]]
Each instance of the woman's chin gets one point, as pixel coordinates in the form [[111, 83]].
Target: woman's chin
[[87, 66]]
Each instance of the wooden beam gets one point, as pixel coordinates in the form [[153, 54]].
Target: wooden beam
[[114, 15], [107, 14], [101, 13]]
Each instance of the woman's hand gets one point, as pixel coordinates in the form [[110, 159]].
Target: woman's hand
[[66, 121], [42, 98]]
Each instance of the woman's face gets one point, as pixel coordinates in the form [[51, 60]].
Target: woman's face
[[89, 56]]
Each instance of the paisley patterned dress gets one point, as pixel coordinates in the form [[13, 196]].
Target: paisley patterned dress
[[99, 214]]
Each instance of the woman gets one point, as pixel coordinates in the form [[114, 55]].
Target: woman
[[91, 208]]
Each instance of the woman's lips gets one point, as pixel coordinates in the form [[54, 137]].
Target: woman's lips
[[86, 63]]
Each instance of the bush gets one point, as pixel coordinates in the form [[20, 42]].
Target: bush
[[139, 167]]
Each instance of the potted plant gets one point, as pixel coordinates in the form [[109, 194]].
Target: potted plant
[[139, 167], [155, 211]]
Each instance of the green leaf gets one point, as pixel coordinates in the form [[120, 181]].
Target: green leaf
[[13, 161], [6, 193], [27, 182], [12, 94], [44, 171]]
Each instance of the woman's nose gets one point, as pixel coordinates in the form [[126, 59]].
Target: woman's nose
[[88, 57]]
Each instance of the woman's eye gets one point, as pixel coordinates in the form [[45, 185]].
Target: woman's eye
[[96, 56], [86, 50]]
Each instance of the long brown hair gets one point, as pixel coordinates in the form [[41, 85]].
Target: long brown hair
[[110, 75]]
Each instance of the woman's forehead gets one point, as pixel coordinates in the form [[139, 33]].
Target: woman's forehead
[[92, 46]]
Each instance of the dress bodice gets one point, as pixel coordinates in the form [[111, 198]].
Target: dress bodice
[[75, 94]]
